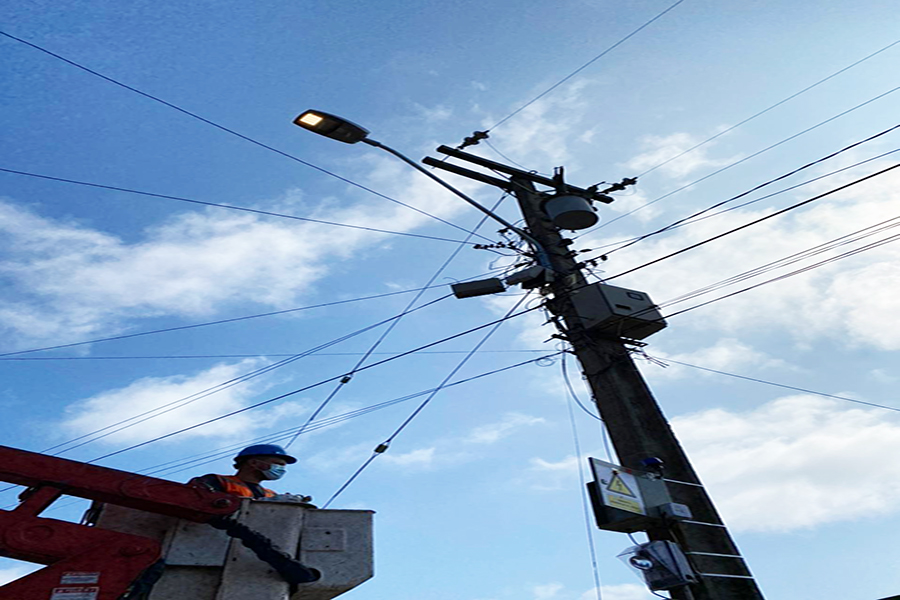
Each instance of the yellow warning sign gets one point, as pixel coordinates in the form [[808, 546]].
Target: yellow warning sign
[[617, 486]]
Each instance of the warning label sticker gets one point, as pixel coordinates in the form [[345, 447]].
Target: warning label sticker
[[79, 578], [618, 487], [75, 593]]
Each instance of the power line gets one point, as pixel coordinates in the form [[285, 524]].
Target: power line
[[781, 385], [588, 525], [893, 238], [755, 221], [755, 188], [754, 201], [228, 206], [348, 377], [746, 158], [181, 402], [218, 322], [315, 385], [227, 129], [582, 67], [382, 447], [764, 111], [843, 240], [256, 355], [202, 458]]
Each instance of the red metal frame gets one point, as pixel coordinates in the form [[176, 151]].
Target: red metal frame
[[87, 563]]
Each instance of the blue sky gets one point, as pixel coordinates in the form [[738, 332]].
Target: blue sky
[[478, 498]]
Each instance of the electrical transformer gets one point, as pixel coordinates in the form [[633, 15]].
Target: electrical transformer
[[617, 311]]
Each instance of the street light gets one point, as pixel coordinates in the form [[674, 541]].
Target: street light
[[342, 130]]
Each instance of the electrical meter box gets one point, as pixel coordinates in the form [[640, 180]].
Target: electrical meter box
[[627, 501], [617, 311]]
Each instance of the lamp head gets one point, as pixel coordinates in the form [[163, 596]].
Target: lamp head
[[331, 126]]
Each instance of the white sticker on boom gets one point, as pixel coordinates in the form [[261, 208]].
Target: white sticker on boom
[[79, 578], [75, 593]]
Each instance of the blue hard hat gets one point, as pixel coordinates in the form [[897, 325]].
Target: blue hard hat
[[267, 450]]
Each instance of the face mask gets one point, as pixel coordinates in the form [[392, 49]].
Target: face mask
[[273, 472]]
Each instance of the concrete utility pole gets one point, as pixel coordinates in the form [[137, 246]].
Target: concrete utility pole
[[637, 427]]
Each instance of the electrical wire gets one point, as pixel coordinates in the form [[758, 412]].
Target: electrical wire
[[211, 456], [791, 274], [348, 377], [754, 201], [382, 447], [585, 505], [226, 129], [195, 460], [843, 240], [780, 385], [314, 385], [745, 159], [256, 355], [565, 374], [217, 322], [764, 111], [756, 188], [228, 206], [182, 402], [756, 221], [583, 67]]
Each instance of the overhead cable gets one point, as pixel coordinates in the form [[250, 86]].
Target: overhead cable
[[583, 67], [227, 129], [755, 222], [745, 159], [194, 460], [780, 385], [755, 200], [756, 188], [848, 254], [256, 355], [585, 503], [383, 446], [315, 385], [765, 110], [218, 322], [349, 375], [220, 387], [228, 206]]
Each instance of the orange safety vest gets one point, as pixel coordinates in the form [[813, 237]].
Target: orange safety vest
[[238, 487]]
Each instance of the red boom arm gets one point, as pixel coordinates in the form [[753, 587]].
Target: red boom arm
[[87, 563]]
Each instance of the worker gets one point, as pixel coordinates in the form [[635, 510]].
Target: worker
[[254, 464]]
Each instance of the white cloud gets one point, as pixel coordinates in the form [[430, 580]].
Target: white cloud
[[658, 149], [725, 355], [421, 458], [795, 463], [547, 591], [494, 432], [150, 393], [69, 282], [845, 301], [624, 591]]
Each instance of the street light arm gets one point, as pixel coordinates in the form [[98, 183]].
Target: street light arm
[[539, 250]]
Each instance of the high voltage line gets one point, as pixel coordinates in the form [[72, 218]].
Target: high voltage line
[[745, 159], [226, 206], [227, 129]]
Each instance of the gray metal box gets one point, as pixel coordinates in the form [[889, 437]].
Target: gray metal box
[[617, 311]]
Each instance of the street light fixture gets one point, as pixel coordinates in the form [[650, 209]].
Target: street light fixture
[[342, 130]]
